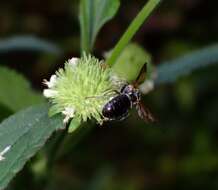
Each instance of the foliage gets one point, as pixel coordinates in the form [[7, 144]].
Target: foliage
[[170, 71], [27, 43], [133, 58], [93, 15], [179, 153], [14, 89], [25, 133], [132, 29]]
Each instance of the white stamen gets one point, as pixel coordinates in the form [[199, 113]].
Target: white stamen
[[2, 153], [48, 93], [73, 61], [52, 82], [66, 119], [147, 86], [69, 112]]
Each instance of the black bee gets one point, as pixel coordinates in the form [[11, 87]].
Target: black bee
[[118, 107]]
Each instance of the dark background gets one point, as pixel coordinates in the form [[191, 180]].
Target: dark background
[[179, 152]]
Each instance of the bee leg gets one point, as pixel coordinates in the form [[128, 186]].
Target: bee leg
[[88, 97], [110, 91], [107, 92], [124, 116]]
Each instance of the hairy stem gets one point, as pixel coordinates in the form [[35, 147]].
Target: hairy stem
[[132, 29]]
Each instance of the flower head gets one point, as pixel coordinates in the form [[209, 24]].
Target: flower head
[[81, 89]]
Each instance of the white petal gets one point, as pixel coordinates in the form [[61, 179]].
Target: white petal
[[69, 111], [73, 61], [52, 82], [66, 119], [48, 93]]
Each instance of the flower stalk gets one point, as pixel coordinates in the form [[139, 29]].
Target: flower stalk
[[131, 30]]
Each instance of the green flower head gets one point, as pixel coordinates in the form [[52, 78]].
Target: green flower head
[[81, 89]]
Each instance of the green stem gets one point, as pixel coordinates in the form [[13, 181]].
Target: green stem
[[132, 29]]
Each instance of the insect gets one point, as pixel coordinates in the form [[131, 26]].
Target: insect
[[128, 97], [118, 107]]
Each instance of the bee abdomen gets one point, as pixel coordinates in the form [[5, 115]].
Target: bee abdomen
[[117, 108]]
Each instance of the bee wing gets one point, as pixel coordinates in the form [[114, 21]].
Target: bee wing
[[145, 113], [141, 77]]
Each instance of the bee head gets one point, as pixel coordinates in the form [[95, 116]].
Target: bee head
[[132, 92]]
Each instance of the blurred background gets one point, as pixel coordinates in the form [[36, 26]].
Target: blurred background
[[179, 152]]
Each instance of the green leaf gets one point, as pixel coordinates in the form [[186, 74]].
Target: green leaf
[[93, 15], [131, 61], [24, 134], [29, 43], [170, 71], [4, 112], [74, 124], [15, 91]]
